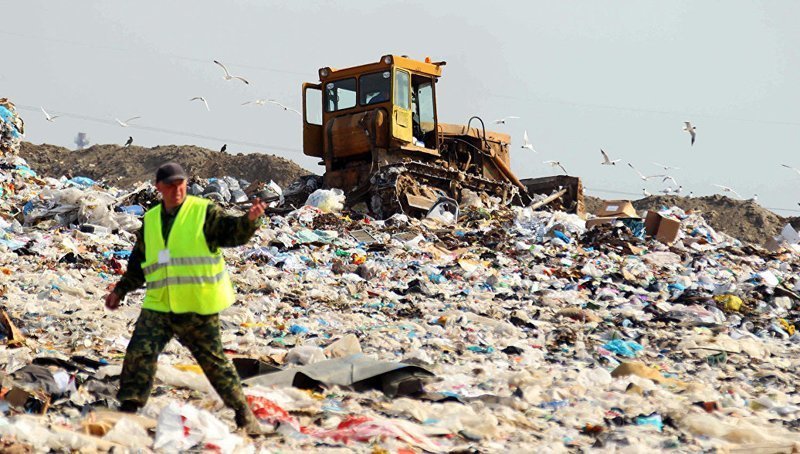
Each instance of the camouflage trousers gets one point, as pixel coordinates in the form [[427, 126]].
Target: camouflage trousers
[[199, 333]]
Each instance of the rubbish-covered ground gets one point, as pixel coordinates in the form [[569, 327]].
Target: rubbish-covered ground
[[124, 167], [512, 330], [745, 220]]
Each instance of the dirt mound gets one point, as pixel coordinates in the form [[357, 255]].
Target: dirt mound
[[742, 219], [124, 167]]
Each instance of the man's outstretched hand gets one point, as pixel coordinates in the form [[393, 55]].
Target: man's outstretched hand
[[112, 301], [256, 210]]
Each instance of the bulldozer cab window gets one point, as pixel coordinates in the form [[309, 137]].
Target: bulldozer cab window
[[340, 95], [422, 106], [313, 106], [401, 90], [375, 87]]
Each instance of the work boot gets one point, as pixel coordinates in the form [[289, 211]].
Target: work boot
[[129, 406], [247, 422]]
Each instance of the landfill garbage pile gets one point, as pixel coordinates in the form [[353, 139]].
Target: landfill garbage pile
[[12, 128], [128, 166], [745, 220], [481, 329]]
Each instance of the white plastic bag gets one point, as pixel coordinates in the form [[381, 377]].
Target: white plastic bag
[[182, 426], [327, 200]]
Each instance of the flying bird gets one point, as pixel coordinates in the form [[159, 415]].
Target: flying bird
[[792, 168], [258, 102], [690, 129], [228, 75], [727, 189], [666, 167], [224, 147], [200, 98], [503, 120], [129, 142], [555, 164], [125, 124], [642, 176], [49, 117], [667, 177], [272, 101], [607, 161], [526, 143]]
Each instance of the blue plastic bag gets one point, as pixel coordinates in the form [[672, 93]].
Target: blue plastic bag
[[623, 347], [82, 181]]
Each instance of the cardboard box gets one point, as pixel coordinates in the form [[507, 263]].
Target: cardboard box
[[663, 228], [605, 220], [617, 208]]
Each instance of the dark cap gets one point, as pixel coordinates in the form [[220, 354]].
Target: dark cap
[[170, 172]]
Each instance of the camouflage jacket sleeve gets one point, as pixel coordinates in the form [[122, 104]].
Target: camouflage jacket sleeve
[[222, 230], [134, 276]]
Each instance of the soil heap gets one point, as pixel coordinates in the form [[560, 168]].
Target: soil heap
[[126, 166]]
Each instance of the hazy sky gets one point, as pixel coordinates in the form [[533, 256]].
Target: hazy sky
[[617, 75]]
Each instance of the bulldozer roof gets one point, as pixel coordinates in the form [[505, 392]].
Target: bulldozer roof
[[386, 61]]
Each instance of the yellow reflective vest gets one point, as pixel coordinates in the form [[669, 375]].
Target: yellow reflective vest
[[183, 275]]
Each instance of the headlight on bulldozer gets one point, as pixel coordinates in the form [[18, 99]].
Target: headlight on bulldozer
[[387, 59], [324, 72]]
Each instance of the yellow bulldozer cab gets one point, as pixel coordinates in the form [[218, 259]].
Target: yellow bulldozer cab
[[386, 104]]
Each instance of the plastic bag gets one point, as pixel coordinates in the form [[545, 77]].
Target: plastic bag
[[327, 200], [182, 426]]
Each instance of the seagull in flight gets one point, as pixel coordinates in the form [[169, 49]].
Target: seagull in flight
[[258, 102], [792, 168], [272, 101], [727, 189], [687, 126], [526, 143], [667, 177], [666, 167], [503, 120], [228, 75], [200, 98], [607, 161], [642, 176], [49, 117], [125, 124], [555, 164]]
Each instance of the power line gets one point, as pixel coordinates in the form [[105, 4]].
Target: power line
[[175, 56], [494, 95], [641, 110]]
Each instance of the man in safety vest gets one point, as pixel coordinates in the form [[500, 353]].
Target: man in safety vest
[[177, 254]]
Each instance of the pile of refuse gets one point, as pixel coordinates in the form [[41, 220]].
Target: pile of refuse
[[12, 128], [484, 328]]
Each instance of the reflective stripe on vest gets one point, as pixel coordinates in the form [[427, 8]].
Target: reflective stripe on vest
[[190, 278]]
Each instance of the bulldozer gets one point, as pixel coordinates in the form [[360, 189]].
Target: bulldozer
[[375, 128]]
